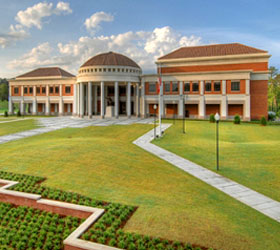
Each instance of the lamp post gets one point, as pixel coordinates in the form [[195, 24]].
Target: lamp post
[[184, 113], [155, 108], [217, 118]]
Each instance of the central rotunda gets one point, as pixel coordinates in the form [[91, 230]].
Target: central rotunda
[[107, 85]]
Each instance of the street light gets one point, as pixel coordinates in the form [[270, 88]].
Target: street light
[[155, 108], [184, 113], [217, 118]]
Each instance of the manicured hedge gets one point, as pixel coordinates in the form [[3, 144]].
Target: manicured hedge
[[28, 228], [108, 229]]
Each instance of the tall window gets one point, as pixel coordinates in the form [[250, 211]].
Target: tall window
[[235, 86], [38, 90], [51, 90], [217, 86], [208, 87], [67, 89], [174, 86], [30, 90], [195, 87], [166, 86], [152, 87], [187, 87], [25, 91], [43, 90], [56, 89], [16, 90]]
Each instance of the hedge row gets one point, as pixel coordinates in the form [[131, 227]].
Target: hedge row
[[108, 229]]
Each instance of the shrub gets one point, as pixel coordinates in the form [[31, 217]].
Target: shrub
[[271, 115], [212, 118], [18, 113], [236, 119], [6, 114], [263, 121]]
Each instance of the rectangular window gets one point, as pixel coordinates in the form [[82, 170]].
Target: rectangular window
[[67, 89], [217, 86], [57, 90], [51, 90], [111, 90], [25, 90], [208, 87], [30, 90], [174, 86], [187, 87], [16, 90], [235, 86], [152, 87], [38, 90], [43, 90], [195, 87], [167, 87], [122, 90]]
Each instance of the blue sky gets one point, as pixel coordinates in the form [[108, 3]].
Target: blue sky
[[57, 33]]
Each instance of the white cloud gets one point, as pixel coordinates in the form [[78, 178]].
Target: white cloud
[[144, 47], [33, 16], [93, 23]]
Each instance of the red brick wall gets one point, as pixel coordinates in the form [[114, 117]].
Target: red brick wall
[[235, 109], [242, 87], [19, 91], [258, 92], [171, 109], [212, 109], [64, 92], [212, 88], [261, 66]]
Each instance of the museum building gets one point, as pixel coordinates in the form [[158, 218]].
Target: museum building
[[196, 81]]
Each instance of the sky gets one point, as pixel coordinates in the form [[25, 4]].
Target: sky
[[66, 33]]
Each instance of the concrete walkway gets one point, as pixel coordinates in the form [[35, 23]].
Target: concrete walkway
[[15, 120], [253, 199], [54, 123]]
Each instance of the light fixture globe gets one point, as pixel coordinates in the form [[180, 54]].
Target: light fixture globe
[[217, 117], [155, 107]]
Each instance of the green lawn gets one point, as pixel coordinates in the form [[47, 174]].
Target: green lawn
[[16, 126], [249, 153], [102, 163]]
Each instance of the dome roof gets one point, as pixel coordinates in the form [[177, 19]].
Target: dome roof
[[110, 59]]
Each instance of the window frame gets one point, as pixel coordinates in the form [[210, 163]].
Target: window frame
[[175, 83], [193, 84], [208, 83], [189, 84], [43, 90], [51, 90], [30, 90], [231, 86], [215, 84], [169, 84], [149, 87], [67, 88], [25, 90], [56, 89]]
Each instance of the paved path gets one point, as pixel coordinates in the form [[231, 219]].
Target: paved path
[[253, 199], [15, 120], [55, 123]]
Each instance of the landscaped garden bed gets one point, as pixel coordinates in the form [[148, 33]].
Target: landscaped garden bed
[[28, 228], [108, 230]]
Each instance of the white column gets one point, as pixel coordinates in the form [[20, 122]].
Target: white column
[[102, 100], [181, 88], [60, 89], [11, 110], [224, 87], [95, 99], [82, 100], [201, 107], [224, 108], [61, 108], [75, 100], [137, 100], [34, 106], [142, 100], [90, 99], [21, 90], [201, 88], [116, 100], [247, 87], [181, 108], [22, 107], [128, 99]]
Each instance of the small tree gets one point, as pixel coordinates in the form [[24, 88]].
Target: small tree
[[263, 121], [212, 118], [237, 119], [6, 114], [18, 113]]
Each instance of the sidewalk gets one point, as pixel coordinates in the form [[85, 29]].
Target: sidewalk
[[251, 198]]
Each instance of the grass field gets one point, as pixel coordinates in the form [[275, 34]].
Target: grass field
[[249, 153], [3, 106], [16, 126], [102, 163]]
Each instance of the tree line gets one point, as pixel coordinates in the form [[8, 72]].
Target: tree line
[[4, 89], [274, 90]]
